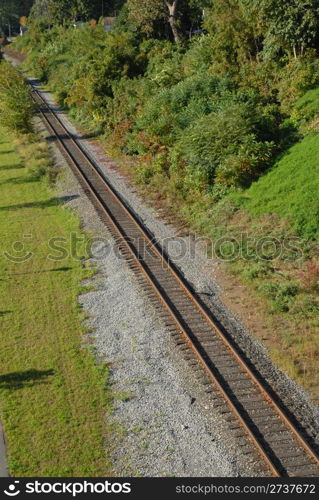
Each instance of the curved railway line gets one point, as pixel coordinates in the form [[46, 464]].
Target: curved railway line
[[273, 440]]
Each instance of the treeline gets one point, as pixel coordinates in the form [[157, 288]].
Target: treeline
[[52, 12], [200, 93], [48, 13], [10, 13]]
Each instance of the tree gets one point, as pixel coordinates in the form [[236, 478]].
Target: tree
[[44, 11], [292, 25], [23, 21], [146, 13], [11, 11], [172, 10], [236, 30], [52, 12]]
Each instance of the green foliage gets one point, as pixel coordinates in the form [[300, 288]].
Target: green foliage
[[48, 13], [174, 108], [256, 270], [164, 62], [10, 12], [237, 33], [16, 108], [281, 295], [222, 147], [154, 18], [92, 82], [296, 77], [199, 56], [290, 25], [205, 117], [147, 15]]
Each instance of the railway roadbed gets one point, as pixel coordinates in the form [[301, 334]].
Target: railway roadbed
[[275, 427]]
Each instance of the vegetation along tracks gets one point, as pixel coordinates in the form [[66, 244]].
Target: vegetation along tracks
[[273, 440]]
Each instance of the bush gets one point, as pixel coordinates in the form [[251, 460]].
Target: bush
[[163, 62], [204, 117], [129, 95], [174, 109], [198, 58], [247, 164], [256, 270], [298, 76], [281, 295], [221, 147], [16, 107]]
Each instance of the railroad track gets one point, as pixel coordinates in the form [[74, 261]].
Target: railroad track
[[273, 440]]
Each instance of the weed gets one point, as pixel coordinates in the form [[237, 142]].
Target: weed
[[309, 276], [281, 295], [123, 396]]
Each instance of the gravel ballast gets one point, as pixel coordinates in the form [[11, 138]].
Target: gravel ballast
[[167, 424]]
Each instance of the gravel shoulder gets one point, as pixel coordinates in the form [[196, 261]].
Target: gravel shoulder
[[166, 425]]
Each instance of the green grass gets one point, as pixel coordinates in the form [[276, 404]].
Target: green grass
[[291, 189], [53, 394], [306, 108]]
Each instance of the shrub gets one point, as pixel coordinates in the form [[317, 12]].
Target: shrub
[[173, 109], [305, 304], [298, 76], [163, 62], [16, 107], [281, 295], [247, 164], [199, 57], [221, 147], [256, 270], [129, 95]]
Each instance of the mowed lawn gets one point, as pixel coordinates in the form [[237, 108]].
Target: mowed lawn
[[53, 396]]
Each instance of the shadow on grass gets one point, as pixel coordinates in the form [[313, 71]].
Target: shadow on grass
[[19, 380], [58, 269], [52, 202], [11, 167], [90, 135], [18, 180], [3, 313]]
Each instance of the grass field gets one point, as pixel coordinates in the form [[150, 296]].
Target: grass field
[[291, 189], [53, 395]]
